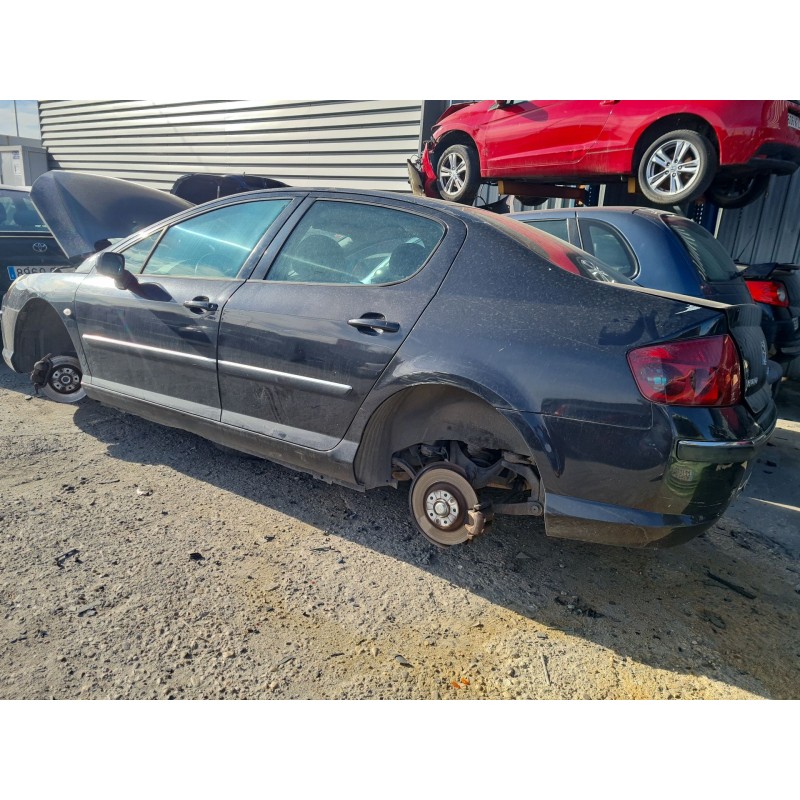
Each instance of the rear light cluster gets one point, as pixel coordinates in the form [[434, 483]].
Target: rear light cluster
[[696, 372], [772, 293]]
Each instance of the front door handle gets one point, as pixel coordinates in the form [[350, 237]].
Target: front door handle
[[200, 305], [375, 323]]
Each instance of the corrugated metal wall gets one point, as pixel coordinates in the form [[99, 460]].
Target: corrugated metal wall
[[359, 144], [769, 228]]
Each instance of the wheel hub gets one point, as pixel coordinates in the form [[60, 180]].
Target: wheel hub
[[443, 508], [65, 380]]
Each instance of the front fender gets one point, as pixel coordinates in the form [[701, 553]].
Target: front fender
[[38, 317]]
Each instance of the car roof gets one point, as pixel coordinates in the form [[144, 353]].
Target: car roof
[[592, 211]]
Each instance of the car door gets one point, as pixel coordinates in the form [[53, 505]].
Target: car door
[[304, 340], [531, 137], [157, 341]]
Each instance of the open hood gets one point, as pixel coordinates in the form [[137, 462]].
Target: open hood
[[84, 211]]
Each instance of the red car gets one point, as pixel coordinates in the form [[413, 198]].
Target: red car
[[678, 150]]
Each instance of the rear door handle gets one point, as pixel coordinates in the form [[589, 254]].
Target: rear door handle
[[375, 324], [200, 305]]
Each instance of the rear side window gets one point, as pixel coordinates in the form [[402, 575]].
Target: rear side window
[[707, 254], [559, 253], [605, 243], [356, 243], [555, 227]]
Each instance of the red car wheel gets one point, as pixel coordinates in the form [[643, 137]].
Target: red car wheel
[[458, 174], [677, 166]]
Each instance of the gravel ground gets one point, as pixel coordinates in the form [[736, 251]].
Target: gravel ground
[[138, 561]]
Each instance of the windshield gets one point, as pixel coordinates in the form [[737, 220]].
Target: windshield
[[707, 254], [556, 251], [17, 213]]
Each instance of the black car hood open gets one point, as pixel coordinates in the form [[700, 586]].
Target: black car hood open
[[83, 211]]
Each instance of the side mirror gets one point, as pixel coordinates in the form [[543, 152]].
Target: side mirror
[[112, 265]]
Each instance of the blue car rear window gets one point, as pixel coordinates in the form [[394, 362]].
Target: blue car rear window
[[707, 254]]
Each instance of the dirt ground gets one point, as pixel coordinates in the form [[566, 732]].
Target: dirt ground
[[138, 561]]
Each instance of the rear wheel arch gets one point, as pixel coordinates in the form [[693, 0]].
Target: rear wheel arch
[[40, 330], [674, 122], [425, 414]]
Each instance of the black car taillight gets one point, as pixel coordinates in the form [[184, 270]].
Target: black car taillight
[[772, 293], [696, 372]]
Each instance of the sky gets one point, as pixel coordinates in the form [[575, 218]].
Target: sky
[[19, 118]]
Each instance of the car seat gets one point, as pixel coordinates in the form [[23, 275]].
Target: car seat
[[26, 218], [316, 259], [404, 261]]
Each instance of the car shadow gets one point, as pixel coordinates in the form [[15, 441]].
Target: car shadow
[[13, 381], [721, 606]]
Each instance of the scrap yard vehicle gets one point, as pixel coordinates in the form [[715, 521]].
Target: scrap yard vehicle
[[674, 150], [372, 339], [661, 250]]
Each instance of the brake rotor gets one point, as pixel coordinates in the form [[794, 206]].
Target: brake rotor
[[441, 500]]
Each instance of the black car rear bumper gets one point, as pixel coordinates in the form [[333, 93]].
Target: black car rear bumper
[[677, 487]]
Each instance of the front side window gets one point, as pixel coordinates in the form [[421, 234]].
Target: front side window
[[136, 254], [355, 243], [605, 243], [213, 245]]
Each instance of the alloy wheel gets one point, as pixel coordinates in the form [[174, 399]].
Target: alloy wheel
[[673, 167]]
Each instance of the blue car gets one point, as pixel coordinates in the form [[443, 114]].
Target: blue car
[[661, 250]]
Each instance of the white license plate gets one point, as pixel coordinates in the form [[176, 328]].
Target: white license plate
[[18, 272], [794, 121]]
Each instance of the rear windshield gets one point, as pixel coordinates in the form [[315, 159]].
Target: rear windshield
[[707, 254], [17, 213], [554, 250]]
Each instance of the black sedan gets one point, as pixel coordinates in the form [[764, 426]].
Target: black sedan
[[372, 339], [662, 250]]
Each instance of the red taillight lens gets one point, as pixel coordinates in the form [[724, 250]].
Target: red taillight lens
[[697, 372], [772, 293]]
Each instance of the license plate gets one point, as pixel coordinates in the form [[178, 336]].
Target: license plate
[[18, 272], [794, 121]]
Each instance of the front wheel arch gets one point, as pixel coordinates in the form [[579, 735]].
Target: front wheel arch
[[40, 330]]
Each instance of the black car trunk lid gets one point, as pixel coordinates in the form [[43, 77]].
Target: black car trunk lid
[[744, 323]]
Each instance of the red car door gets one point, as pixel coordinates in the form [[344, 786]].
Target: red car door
[[541, 137]]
